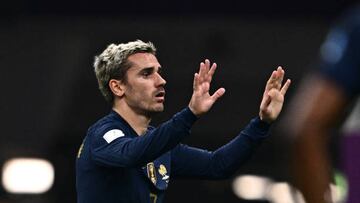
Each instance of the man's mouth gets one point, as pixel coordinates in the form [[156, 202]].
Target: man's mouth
[[160, 96]]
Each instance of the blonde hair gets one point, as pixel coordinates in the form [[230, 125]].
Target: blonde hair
[[112, 63]]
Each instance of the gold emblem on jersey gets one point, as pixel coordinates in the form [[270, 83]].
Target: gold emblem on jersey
[[153, 198], [162, 170], [151, 172]]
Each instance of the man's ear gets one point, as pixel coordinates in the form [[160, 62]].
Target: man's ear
[[117, 87]]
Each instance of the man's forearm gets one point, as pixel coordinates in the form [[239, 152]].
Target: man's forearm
[[311, 167]]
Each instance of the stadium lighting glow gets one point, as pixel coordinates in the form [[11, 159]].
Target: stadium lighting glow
[[282, 192], [251, 187], [336, 194], [27, 176]]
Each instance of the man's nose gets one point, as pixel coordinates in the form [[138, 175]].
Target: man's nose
[[160, 80]]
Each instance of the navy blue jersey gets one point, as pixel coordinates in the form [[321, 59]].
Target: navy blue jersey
[[116, 165], [340, 54]]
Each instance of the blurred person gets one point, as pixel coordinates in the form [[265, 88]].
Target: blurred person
[[320, 106], [124, 159]]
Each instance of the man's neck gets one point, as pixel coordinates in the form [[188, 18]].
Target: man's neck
[[138, 122]]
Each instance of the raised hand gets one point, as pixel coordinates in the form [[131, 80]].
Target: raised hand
[[273, 97], [201, 100]]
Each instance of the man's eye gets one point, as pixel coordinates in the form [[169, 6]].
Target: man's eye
[[146, 73]]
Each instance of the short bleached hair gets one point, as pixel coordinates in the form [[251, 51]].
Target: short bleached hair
[[113, 63]]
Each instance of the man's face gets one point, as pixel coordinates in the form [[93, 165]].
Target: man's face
[[144, 90]]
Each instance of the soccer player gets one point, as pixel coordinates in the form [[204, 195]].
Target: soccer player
[[320, 104], [124, 159]]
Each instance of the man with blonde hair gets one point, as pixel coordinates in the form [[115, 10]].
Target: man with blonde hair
[[124, 159]]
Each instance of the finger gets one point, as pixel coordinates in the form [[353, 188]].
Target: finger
[[271, 81], [280, 73], [212, 71], [273, 77], [196, 81], [276, 79], [265, 103], [219, 93], [285, 87], [201, 72], [205, 87], [207, 65]]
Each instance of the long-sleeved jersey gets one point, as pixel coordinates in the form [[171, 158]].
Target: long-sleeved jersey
[[116, 165]]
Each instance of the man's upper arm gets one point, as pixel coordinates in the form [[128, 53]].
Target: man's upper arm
[[133, 150], [108, 146]]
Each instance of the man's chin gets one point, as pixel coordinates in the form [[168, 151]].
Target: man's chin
[[157, 109]]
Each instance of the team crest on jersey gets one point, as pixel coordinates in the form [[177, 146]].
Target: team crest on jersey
[[151, 172], [163, 172]]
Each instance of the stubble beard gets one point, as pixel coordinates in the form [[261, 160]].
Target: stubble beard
[[148, 111], [144, 108], [153, 111]]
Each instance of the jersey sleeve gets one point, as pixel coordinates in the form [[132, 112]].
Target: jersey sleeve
[[190, 162], [127, 151], [340, 56]]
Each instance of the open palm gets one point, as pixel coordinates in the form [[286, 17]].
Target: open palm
[[201, 100], [273, 97]]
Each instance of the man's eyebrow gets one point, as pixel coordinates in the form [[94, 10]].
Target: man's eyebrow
[[147, 69], [150, 69]]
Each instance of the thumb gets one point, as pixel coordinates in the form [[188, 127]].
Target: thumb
[[219, 93]]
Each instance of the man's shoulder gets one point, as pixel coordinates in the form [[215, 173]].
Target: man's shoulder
[[109, 122]]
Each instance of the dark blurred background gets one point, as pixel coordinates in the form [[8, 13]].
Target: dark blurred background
[[50, 95]]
